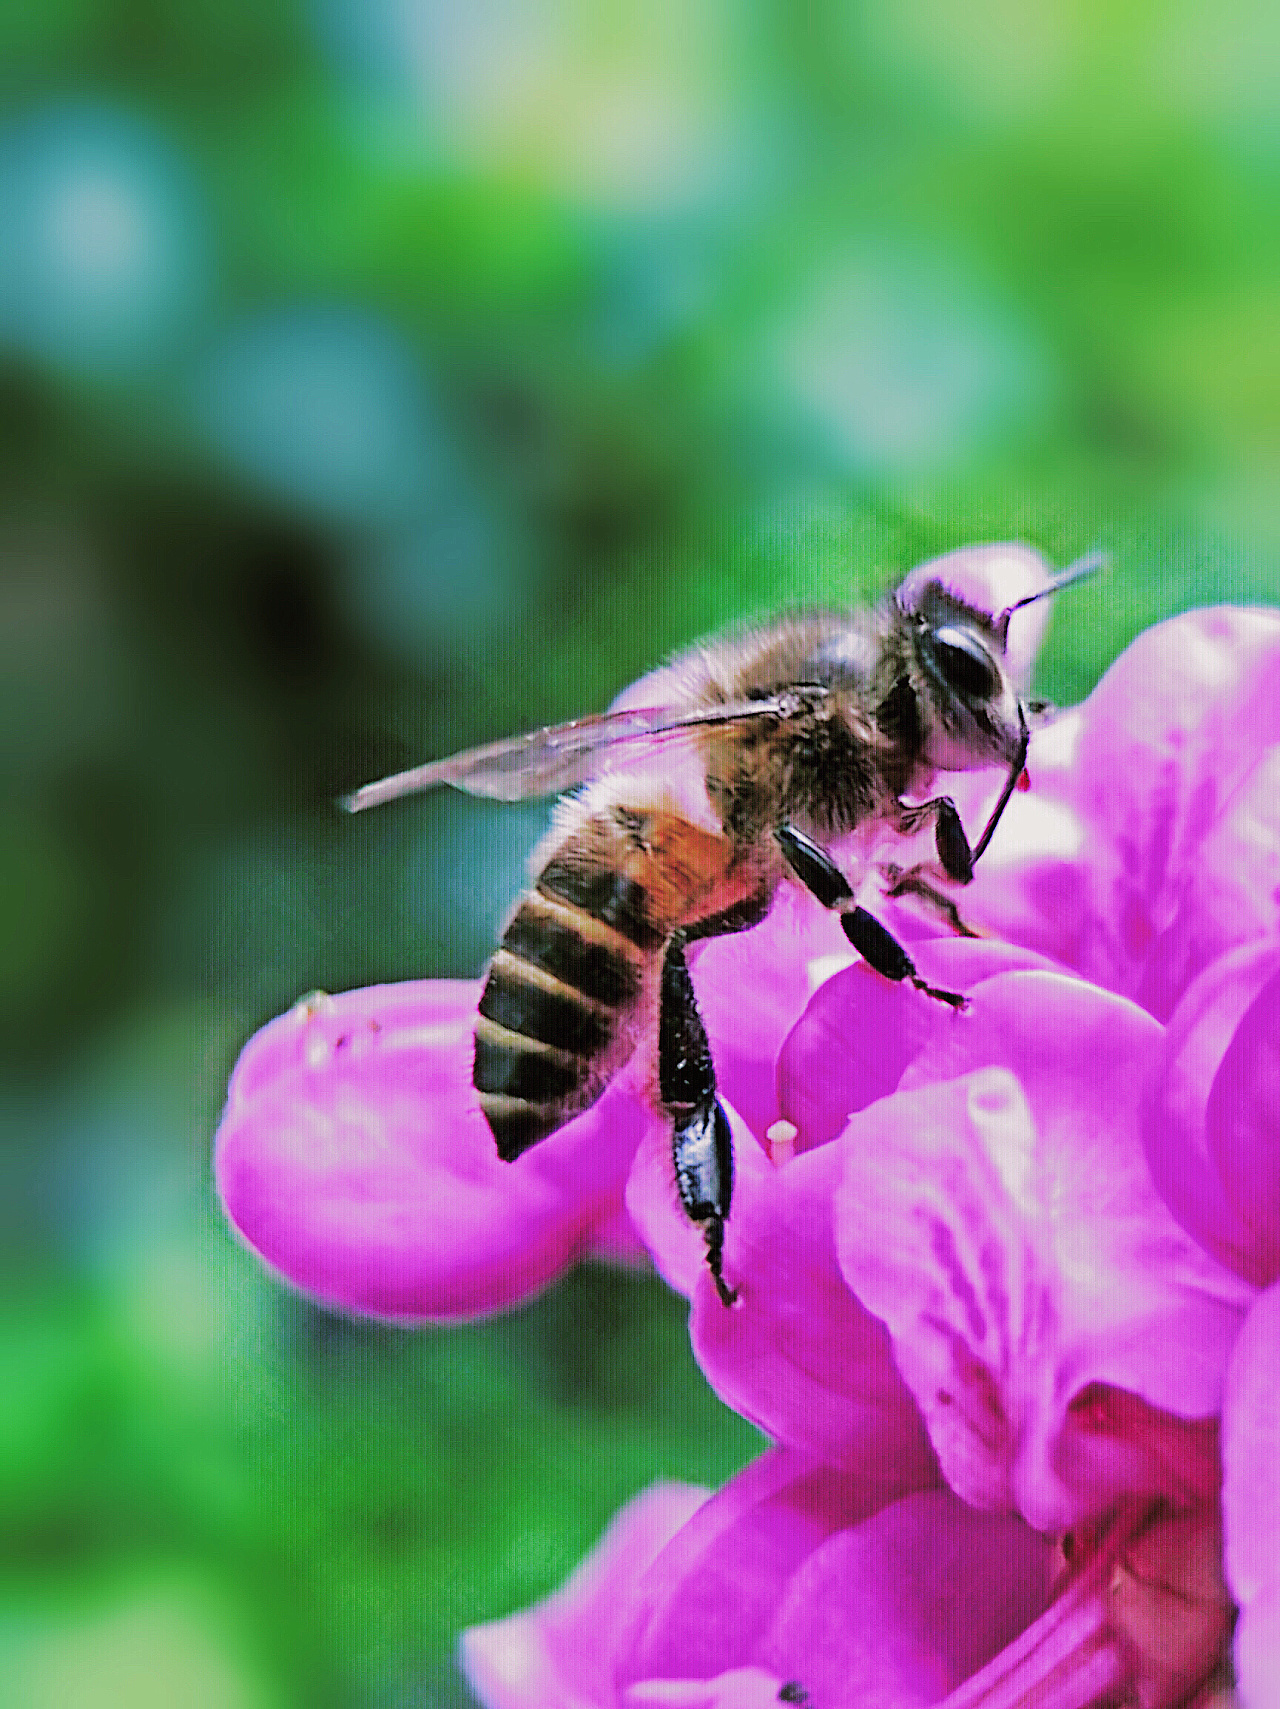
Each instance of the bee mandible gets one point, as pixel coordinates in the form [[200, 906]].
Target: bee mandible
[[804, 729]]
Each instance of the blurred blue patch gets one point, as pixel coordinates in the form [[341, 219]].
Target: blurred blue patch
[[442, 585], [451, 62], [659, 283], [900, 364], [464, 871], [104, 257], [326, 408]]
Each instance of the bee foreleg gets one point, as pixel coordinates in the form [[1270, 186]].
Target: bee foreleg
[[702, 1147], [949, 834], [875, 943]]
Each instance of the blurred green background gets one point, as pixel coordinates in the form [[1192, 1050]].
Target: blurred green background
[[381, 376]]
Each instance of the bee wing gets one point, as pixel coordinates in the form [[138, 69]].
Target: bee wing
[[546, 761]]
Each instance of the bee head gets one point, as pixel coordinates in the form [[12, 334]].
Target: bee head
[[968, 672], [971, 712]]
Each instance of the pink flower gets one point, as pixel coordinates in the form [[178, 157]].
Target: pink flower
[[1211, 1119], [1149, 842], [353, 1157], [988, 1242], [1251, 1500], [992, 1309], [841, 1586]]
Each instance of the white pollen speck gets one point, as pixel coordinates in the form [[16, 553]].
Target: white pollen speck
[[781, 1136]]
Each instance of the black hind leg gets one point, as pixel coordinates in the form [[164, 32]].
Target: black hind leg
[[878, 947], [702, 1148]]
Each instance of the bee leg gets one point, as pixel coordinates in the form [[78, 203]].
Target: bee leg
[[949, 834], [877, 946], [915, 881], [702, 1147]]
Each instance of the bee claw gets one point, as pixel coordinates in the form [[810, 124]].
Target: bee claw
[[953, 999], [715, 1258]]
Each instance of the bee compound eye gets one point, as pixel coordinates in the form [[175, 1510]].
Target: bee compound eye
[[964, 662]]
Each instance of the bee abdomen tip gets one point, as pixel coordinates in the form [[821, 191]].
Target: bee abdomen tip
[[516, 1123]]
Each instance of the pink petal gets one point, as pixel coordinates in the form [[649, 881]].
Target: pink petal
[[1218, 1176], [798, 1355], [1256, 1652], [704, 1604], [1230, 893], [1173, 728], [1242, 1121], [559, 1654], [752, 989], [1251, 1500], [903, 1607], [1251, 1455], [1092, 865], [859, 1031], [353, 1157], [997, 1214], [740, 1688], [308, 1035]]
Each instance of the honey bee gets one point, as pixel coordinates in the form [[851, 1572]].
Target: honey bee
[[803, 730]]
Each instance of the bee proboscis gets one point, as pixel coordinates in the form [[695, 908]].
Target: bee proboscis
[[805, 729]]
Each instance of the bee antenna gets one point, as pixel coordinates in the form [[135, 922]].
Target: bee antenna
[[1089, 565]]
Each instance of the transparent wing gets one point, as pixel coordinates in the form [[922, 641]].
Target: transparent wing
[[546, 761]]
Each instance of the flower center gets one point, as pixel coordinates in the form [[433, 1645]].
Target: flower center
[[1142, 1618]]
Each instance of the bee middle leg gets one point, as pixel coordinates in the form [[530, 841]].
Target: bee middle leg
[[702, 1147], [918, 881], [877, 946], [949, 834]]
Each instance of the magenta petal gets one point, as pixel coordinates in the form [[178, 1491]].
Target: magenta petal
[[902, 1608], [1092, 865], [740, 1688], [798, 1355], [705, 1603], [752, 989], [1251, 1454], [319, 1026], [353, 1156], [1189, 1158], [1251, 1500], [997, 1214], [1230, 894], [1170, 733], [1256, 1651], [1172, 730], [559, 1654], [859, 1032], [1242, 1123]]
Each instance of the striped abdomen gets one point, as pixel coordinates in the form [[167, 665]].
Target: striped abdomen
[[558, 1009]]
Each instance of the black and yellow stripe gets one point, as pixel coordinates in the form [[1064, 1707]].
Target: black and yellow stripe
[[562, 984]]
